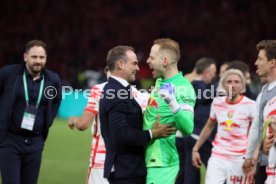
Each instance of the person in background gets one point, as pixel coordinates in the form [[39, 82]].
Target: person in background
[[233, 115], [266, 70], [244, 68], [223, 68], [89, 118], [205, 69], [30, 97]]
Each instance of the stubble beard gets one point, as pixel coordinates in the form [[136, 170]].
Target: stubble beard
[[36, 69]]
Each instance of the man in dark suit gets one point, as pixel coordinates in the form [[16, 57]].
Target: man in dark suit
[[205, 72], [30, 96], [122, 121]]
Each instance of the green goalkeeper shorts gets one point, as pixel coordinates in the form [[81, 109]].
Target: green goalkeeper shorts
[[161, 175]]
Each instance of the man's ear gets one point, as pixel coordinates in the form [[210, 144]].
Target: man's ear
[[205, 73], [25, 57], [273, 61], [165, 62], [119, 64]]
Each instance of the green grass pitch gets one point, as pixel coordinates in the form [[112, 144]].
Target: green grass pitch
[[66, 155]]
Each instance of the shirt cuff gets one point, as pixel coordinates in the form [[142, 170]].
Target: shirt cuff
[[150, 134]]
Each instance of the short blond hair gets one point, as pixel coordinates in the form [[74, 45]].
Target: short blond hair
[[221, 86], [169, 45]]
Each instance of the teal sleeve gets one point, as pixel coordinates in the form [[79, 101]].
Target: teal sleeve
[[184, 122]]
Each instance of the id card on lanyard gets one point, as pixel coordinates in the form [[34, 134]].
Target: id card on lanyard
[[30, 110]]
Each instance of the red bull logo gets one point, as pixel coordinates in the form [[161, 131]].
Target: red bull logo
[[152, 103], [229, 125]]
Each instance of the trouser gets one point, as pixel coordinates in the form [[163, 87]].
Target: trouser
[[182, 155], [192, 174], [221, 171], [95, 176], [20, 159], [270, 180], [162, 175], [260, 176], [137, 180]]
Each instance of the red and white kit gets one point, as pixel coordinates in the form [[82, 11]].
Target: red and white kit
[[230, 143], [269, 113], [98, 151]]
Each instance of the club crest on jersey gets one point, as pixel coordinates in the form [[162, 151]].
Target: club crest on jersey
[[229, 123], [152, 103]]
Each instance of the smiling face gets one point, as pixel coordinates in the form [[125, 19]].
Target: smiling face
[[262, 63], [130, 66], [35, 59], [155, 62]]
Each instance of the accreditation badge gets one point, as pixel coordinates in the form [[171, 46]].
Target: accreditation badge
[[29, 118]]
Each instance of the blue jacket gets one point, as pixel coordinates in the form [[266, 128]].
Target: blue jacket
[[9, 79], [122, 130]]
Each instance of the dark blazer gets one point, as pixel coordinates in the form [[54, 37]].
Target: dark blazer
[[122, 130], [9, 79]]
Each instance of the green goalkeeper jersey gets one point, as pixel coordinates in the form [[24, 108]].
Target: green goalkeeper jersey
[[163, 152]]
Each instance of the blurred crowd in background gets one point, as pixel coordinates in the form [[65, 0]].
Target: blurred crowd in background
[[79, 33]]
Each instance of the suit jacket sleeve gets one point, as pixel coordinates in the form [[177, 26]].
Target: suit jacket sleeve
[[120, 130]]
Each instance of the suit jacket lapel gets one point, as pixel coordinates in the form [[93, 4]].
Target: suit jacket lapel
[[115, 82]]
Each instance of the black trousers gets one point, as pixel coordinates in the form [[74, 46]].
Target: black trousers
[[137, 180], [180, 145], [20, 159], [191, 175], [260, 176]]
